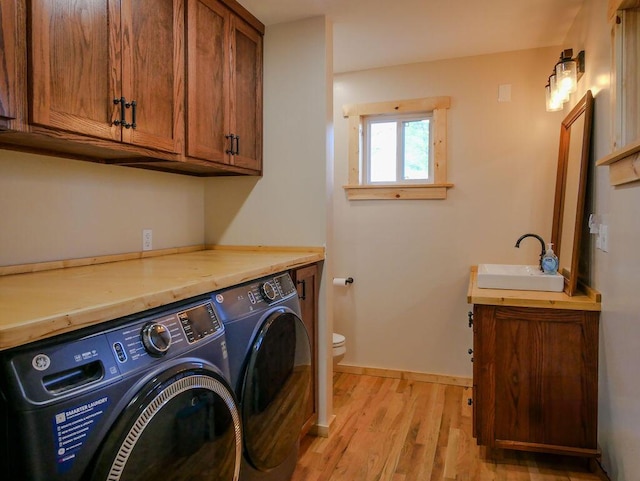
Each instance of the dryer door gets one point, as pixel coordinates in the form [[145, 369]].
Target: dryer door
[[183, 425], [276, 389]]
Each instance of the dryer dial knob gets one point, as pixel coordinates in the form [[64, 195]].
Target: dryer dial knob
[[156, 338], [268, 291]]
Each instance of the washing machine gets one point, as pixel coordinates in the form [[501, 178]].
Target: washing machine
[[270, 368], [146, 397]]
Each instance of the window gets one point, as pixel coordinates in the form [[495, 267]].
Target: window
[[397, 150]]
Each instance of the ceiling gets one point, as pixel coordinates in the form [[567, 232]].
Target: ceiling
[[377, 33]]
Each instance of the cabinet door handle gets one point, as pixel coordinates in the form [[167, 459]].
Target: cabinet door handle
[[304, 289], [469, 401], [134, 106], [123, 121], [470, 314], [229, 151], [237, 152]]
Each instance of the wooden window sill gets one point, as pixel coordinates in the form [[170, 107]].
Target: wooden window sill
[[392, 192], [624, 164]]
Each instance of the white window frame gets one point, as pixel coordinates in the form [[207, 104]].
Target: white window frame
[[357, 187], [399, 119]]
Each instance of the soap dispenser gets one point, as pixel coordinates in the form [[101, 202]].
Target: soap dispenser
[[550, 261]]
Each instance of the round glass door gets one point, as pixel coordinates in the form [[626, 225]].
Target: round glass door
[[276, 389], [186, 427]]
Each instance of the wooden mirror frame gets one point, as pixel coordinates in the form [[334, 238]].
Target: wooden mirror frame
[[583, 107]]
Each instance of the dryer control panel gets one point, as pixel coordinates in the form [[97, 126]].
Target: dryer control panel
[[255, 296]]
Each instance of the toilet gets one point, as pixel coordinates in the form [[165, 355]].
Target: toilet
[[339, 347]]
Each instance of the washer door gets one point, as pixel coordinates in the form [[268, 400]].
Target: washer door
[[276, 389], [182, 425]]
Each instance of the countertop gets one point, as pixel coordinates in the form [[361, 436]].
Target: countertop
[[38, 305], [589, 300]]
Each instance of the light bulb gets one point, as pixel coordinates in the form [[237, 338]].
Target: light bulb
[[552, 102], [567, 76]]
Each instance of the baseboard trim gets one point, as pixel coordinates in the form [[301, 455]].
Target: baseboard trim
[[405, 375], [321, 430], [596, 467]]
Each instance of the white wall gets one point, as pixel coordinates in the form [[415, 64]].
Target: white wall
[[55, 208], [288, 205], [410, 259], [615, 273]]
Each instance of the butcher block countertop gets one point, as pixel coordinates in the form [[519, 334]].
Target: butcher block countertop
[[38, 305], [588, 301]]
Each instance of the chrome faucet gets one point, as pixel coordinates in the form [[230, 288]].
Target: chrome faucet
[[543, 250]]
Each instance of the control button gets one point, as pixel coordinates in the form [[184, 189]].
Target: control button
[[251, 297], [268, 292], [156, 338], [120, 352]]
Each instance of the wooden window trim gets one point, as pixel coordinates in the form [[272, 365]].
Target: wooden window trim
[[624, 161], [355, 113]]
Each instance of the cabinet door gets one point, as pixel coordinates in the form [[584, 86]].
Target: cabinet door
[[246, 100], [307, 283], [152, 72], [11, 91], [537, 378], [75, 65], [208, 80]]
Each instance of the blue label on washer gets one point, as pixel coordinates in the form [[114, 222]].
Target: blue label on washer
[[71, 429]]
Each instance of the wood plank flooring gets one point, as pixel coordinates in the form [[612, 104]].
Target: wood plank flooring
[[404, 430]]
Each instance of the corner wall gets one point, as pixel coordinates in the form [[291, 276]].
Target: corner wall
[[288, 205], [615, 273]]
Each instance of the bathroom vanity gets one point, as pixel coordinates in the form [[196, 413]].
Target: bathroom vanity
[[535, 369]]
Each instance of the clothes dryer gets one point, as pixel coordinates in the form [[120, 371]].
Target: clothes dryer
[[270, 368], [141, 398]]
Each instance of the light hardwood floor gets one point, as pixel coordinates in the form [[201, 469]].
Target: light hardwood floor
[[403, 430]]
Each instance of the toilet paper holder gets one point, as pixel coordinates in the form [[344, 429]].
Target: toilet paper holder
[[342, 281]]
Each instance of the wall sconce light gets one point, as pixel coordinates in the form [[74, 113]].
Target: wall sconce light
[[563, 80]]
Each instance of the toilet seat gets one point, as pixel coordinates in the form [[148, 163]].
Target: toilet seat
[[339, 347]]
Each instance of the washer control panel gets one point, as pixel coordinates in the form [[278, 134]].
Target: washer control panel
[[168, 335], [46, 373]]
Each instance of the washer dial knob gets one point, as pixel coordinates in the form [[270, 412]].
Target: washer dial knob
[[156, 338], [268, 291]]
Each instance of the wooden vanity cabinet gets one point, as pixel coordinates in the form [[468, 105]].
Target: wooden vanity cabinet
[[307, 283], [535, 377], [224, 86], [85, 55]]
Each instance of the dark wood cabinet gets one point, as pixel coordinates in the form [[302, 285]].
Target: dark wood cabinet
[[224, 86], [308, 285], [86, 55], [535, 378]]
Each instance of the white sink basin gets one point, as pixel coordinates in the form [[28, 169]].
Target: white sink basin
[[519, 277]]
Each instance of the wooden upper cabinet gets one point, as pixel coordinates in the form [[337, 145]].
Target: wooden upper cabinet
[[224, 86], [208, 80], [246, 88], [87, 53], [11, 64]]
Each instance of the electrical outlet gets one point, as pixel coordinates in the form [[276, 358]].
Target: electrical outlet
[[147, 239]]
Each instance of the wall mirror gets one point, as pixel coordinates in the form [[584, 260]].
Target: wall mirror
[[571, 181]]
